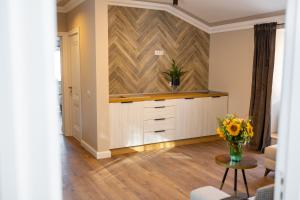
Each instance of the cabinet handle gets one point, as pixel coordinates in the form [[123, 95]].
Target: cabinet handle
[[160, 119], [159, 100], [189, 98], [127, 102], [160, 131], [160, 107], [216, 97]]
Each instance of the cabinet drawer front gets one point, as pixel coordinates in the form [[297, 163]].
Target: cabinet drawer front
[[159, 112], [159, 124], [162, 136], [158, 103]]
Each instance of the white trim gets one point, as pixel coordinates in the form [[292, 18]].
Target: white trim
[[90, 149], [65, 73], [96, 154], [103, 154], [194, 21], [69, 6], [164, 7], [246, 24]]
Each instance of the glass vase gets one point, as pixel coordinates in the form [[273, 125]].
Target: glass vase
[[236, 152]]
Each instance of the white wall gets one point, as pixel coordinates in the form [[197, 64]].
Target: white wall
[[230, 68], [277, 79]]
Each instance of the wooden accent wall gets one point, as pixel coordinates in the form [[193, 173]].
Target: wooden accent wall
[[134, 35]]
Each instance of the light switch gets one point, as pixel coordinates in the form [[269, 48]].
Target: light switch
[[159, 52]]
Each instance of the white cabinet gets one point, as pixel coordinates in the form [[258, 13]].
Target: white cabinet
[[126, 124], [138, 123], [191, 117], [217, 108], [159, 121]]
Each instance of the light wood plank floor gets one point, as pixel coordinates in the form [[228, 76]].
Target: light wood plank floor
[[163, 174]]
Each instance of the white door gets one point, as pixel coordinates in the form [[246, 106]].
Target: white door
[[217, 109], [191, 118], [75, 90], [126, 124]]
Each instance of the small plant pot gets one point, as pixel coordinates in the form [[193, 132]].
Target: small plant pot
[[175, 82]]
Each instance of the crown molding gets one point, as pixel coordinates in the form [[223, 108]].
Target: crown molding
[[246, 24], [164, 7], [69, 6], [193, 20]]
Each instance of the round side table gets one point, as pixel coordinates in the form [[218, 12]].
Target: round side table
[[247, 162]]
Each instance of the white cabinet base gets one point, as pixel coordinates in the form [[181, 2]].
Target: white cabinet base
[[139, 123]]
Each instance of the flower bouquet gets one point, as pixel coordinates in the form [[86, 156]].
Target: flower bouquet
[[237, 132]]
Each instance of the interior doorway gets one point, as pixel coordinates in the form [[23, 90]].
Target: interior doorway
[[67, 71]]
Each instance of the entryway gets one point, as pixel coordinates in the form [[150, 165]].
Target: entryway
[[67, 73]]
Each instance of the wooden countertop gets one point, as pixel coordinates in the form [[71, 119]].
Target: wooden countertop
[[163, 96]]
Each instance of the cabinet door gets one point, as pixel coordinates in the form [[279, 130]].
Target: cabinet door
[[191, 118], [126, 124], [217, 109]]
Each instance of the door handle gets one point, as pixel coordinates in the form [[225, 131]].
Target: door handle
[[160, 107], [127, 102], [160, 131], [160, 119]]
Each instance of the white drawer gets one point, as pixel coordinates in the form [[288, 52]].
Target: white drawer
[[159, 112], [159, 124], [158, 103], [159, 136]]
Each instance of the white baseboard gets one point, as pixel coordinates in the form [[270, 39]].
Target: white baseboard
[[96, 154], [103, 154]]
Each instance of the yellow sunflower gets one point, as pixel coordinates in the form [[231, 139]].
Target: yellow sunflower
[[250, 129], [234, 129], [220, 133], [226, 122]]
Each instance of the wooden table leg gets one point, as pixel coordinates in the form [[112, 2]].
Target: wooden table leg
[[235, 182], [245, 181], [224, 178]]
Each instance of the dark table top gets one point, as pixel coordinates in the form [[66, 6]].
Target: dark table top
[[247, 162]]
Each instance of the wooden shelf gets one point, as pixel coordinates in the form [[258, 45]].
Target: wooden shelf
[[163, 96]]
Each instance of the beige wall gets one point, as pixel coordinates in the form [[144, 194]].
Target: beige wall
[[231, 58], [61, 22], [83, 18], [101, 31]]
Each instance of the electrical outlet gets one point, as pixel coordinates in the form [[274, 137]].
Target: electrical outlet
[[159, 52]]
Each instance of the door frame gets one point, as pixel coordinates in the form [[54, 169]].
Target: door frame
[[65, 77]]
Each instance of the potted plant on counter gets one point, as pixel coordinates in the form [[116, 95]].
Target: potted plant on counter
[[237, 132], [174, 74]]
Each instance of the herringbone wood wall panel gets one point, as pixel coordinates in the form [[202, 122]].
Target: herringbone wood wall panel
[[134, 35]]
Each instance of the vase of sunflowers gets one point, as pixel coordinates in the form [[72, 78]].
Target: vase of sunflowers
[[237, 132]]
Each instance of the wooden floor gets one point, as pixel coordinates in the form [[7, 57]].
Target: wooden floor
[[167, 174]]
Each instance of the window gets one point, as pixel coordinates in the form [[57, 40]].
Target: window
[[277, 80]]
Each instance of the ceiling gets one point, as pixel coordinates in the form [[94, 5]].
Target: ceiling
[[215, 12]]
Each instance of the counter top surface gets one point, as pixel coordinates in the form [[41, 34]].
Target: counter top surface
[[163, 96]]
